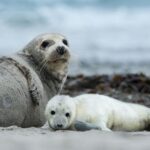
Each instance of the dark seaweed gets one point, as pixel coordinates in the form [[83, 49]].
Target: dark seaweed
[[130, 87]]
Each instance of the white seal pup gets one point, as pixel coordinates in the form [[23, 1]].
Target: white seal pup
[[93, 111], [29, 78]]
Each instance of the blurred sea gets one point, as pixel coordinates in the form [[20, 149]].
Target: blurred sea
[[106, 36]]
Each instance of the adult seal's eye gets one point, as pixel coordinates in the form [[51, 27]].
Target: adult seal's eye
[[67, 115], [52, 112], [47, 43], [65, 42]]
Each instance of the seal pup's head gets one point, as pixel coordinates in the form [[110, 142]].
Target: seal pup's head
[[60, 112], [50, 51]]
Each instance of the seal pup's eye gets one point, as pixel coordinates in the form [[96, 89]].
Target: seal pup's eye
[[52, 112], [65, 42], [67, 115], [47, 43]]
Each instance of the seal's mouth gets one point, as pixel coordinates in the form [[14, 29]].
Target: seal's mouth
[[63, 60], [56, 128], [59, 55]]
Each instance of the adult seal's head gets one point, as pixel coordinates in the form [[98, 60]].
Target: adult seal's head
[[50, 52]]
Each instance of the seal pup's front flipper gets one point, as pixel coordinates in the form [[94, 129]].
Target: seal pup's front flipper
[[84, 126]]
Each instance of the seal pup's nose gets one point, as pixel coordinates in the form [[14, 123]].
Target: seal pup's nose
[[59, 125], [60, 50]]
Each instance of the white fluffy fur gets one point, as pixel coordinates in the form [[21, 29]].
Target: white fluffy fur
[[102, 111]]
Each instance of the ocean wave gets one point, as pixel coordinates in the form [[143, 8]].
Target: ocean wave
[[97, 28]]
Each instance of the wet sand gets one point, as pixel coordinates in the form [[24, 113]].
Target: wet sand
[[15, 138], [132, 87]]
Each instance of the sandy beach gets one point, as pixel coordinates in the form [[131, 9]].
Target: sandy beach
[[16, 138]]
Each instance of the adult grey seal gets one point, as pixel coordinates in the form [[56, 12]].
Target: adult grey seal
[[94, 111], [29, 78]]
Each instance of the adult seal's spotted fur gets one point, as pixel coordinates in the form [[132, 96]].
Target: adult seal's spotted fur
[[29, 78]]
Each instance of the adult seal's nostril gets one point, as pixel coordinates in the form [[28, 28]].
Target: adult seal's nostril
[[59, 125], [61, 50]]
